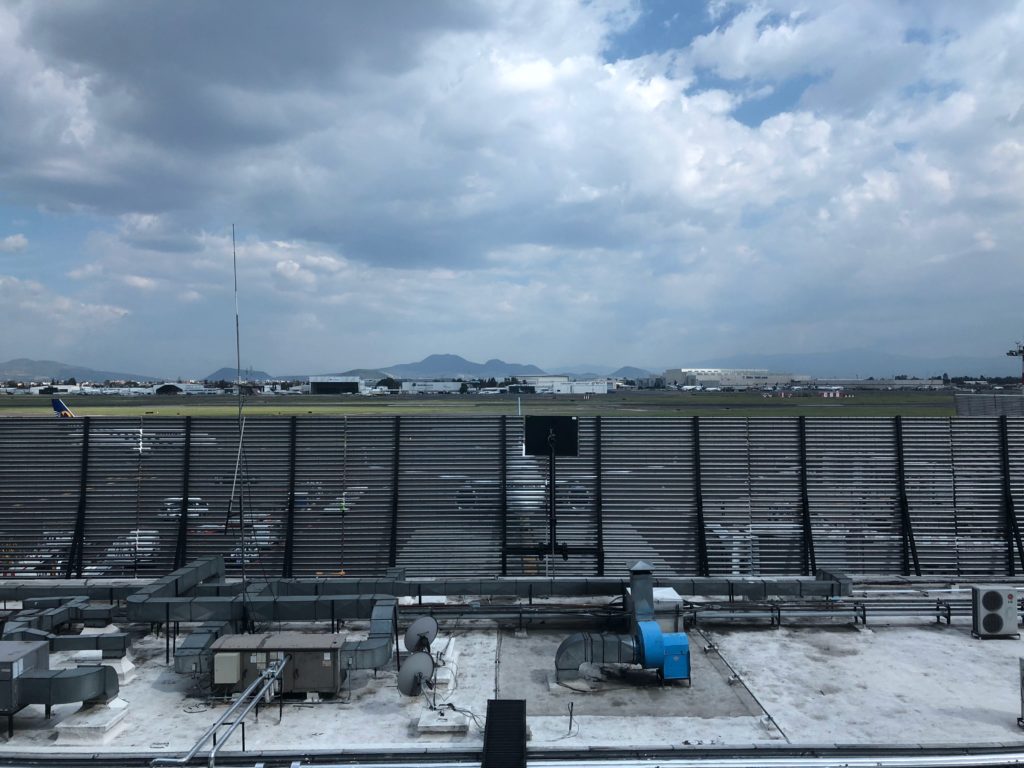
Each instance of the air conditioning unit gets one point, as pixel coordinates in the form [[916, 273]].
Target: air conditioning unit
[[994, 609]]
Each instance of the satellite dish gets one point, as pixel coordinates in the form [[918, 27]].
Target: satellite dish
[[421, 634], [417, 670]]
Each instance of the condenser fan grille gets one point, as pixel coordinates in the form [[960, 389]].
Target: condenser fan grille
[[992, 600], [992, 624]]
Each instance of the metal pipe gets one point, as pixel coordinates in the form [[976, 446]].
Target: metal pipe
[[271, 675], [220, 721]]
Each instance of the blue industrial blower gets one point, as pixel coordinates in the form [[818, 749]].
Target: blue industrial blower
[[666, 652]]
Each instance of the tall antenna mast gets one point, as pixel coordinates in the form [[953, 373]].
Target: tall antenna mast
[[241, 424], [238, 336]]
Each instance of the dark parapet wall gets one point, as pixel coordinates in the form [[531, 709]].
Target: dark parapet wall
[[457, 496]]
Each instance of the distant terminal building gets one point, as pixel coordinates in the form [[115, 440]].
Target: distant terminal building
[[184, 388], [885, 384], [335, 385], [734, 378], [563, 385], [417, 387]]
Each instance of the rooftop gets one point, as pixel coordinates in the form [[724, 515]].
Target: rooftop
[[906, 681]]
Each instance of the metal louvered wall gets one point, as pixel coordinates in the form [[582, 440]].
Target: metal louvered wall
[[458, 496]]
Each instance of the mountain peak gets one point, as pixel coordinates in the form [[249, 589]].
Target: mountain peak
[[455, 366]]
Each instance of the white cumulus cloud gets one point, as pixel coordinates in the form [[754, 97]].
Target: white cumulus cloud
[[13, 243]]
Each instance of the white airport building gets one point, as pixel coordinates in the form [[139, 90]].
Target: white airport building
[[431, 387], [734, 378], [563, 385]]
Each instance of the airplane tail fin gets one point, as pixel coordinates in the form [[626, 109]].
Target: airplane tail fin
[[62, 411]]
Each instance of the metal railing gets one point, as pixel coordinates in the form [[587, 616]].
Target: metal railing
[[248, 699]]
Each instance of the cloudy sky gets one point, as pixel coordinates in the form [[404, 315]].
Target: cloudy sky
[[553, 182]]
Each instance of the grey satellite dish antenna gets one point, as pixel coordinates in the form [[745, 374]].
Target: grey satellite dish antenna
[[416, 670], [421, 634]]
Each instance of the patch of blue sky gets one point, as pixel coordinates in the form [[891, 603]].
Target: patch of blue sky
[[938, 90], [666, 25], [776, 99], [917, 35], [55, 242], [755, 218]]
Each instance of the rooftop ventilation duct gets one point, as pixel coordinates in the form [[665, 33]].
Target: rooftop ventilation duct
[[646, 645]]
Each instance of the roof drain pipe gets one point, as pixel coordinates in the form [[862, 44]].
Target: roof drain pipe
[[249, 698]]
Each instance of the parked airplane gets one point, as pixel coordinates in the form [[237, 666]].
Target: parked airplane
[[62, 411]]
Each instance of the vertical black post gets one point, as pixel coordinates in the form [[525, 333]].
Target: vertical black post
[[396, 457], [909, 544], [181, 548], [74, 564], [1012, 528], [807, 555], [702, 542], [552, 524], [289, 533], [503, 490], [598, 496]]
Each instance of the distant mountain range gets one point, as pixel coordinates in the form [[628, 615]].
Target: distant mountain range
[[855, 363], [23, 369], [230, 374], [454, 366]]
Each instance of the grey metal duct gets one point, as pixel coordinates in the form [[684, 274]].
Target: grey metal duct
[[63, 686], [595, 648], [823, 585], [45, 616], [113, 645], [256, 608], [193, 654], [376, 650], [25, 678]]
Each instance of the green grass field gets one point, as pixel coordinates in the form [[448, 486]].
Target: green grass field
[[644, 403]]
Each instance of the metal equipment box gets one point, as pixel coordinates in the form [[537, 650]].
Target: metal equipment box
[[227, 668], [314, 660], [677, 656], [994, 611]]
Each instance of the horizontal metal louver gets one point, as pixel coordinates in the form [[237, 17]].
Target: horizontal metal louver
[[40, 487], [775, 500], [450, 506], [853, 493], [368, 458], [978, 489], [931, 493], [1015, 467], [527, 500], [132, 497], [449, 496], [649, 499], [248, 528]]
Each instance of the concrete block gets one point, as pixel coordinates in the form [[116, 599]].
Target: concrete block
[[442, 721], [93, 725]]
